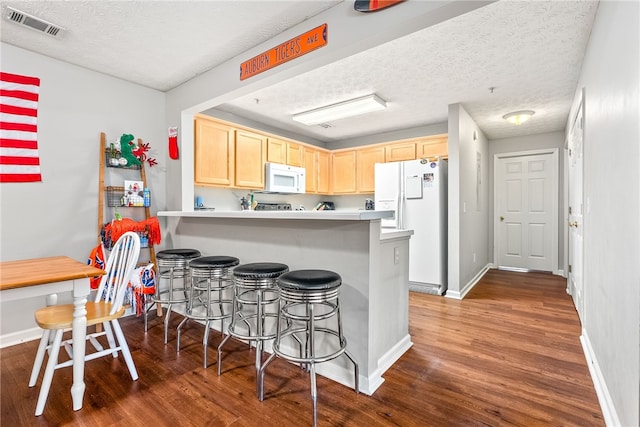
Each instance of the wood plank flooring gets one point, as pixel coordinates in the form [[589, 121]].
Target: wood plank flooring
[[507, 355]]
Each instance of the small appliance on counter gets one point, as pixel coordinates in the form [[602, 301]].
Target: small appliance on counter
[[325, 206], [369, 205], [273, 207]]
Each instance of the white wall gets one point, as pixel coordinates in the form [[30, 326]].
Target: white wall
[[468, 202], [58, 216], [610, 76], [527, 143]]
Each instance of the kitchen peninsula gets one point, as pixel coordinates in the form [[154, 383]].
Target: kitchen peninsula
[[373, 265]]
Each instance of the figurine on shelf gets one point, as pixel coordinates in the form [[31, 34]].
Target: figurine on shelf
[[126, 148]]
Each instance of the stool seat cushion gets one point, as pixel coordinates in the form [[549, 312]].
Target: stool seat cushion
[[260, 270], [310, 280], [214, 262], [178, 254]]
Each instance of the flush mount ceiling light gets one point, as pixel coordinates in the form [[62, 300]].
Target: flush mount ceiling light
[[518, 117], [341, 110]]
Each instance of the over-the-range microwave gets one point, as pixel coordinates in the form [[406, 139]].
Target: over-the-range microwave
[[284, 179]]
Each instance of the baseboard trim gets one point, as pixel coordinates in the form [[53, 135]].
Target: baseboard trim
[[461, 294], [604, 397], [20, 337]]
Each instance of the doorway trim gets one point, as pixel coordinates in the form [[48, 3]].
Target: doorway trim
[[554, 203]]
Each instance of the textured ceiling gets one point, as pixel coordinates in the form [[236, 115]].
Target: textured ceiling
[[529, 51]]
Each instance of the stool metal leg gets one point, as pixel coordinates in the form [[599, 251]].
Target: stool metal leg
[[312, 367], [260, 389], [229, 328]]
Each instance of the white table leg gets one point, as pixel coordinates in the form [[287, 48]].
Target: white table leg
[[79, 332]]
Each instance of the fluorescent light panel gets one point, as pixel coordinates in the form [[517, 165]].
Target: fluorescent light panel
[[341, 110]]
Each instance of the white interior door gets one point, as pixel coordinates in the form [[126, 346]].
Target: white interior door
[[576, 212], [526, 209]]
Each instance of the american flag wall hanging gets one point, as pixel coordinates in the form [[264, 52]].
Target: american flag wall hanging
[[19, 161]]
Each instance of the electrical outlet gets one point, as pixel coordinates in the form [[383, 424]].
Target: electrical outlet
[[474, 257], [396, 255]]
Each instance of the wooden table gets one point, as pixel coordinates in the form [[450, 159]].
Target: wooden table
[[44, 276]]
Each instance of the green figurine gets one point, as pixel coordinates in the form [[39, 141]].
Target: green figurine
[[126, 148]]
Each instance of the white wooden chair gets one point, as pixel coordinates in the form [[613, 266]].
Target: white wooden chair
[[106, 310]]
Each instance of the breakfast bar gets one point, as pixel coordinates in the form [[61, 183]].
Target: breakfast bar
[[373, 266]]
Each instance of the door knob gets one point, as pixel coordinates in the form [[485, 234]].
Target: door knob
[[501, 218]]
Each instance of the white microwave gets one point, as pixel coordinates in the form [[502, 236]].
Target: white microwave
[[284, 179]]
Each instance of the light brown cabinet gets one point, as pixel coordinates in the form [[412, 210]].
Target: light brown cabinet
[[250, 157], [432, 147], [232, 156], [276, 151], [316, 164], [225, 156], [295, 155], [324, 176], [311, 170], [284, 152], [400, 152], [343, 172], [366, 159], [214, 153]]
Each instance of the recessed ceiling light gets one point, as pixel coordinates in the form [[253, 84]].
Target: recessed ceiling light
[[518, 117]]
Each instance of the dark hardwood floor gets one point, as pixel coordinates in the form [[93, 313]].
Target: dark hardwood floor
[[508, 354]]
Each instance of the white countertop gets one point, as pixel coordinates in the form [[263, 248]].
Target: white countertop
[[337, 215], [394, 233]]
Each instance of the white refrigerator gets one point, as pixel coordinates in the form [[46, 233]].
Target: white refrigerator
[[416, 191]]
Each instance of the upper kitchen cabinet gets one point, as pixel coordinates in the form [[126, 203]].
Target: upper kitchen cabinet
[[343, 171], [295, 154], [316, 164], [276, 151], [366, 159], [285, 152], [250, 157], [432, 146], [214, 153], [400, 152], [311, 169], [324, 175]]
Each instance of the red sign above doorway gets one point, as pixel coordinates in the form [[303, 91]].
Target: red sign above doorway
[[291, 49]]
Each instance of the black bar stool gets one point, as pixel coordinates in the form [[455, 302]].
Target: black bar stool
[[255, 306], [172, 264], [209, 280], [307, 297]]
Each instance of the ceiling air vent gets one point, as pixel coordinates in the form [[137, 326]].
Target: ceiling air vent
[[32, 22]]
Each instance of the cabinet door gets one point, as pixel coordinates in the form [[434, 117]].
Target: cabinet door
[[400, 152], [324, 168], [214, 155], [276, 151], [295, 155], [433, 147], [311, 170], [250, 156], [367, 158], [343, 172]]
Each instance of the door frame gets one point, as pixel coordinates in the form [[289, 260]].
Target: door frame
[[554, 203], [579, 305]]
